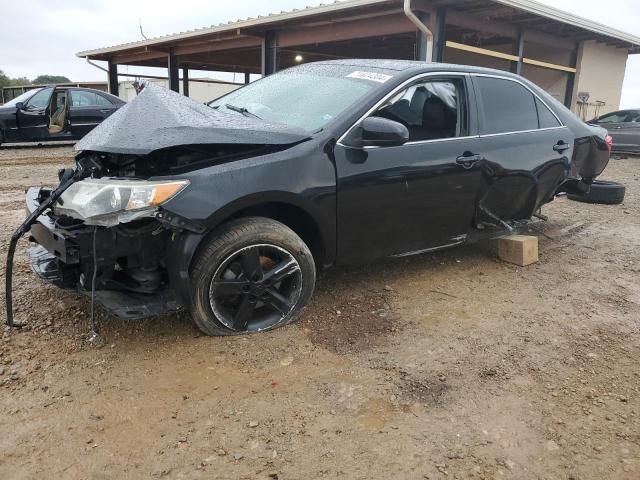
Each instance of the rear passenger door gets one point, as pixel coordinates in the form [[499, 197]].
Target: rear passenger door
[[88, 109], [526, 148]]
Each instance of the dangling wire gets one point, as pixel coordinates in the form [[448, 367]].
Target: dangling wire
[[95, 331]]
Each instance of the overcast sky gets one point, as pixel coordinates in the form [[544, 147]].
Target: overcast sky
[[42, 37]]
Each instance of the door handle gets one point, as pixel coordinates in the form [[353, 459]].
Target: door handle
[[561, 146], [468, 159], [106, 110]]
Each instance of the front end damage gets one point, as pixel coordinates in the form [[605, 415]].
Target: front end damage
[[125, 264], [103, 231]]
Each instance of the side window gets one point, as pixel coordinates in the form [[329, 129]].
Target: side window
[[507, 106], [40, 99], [430, 110], [546, 119], [102, 101], [81, 98]]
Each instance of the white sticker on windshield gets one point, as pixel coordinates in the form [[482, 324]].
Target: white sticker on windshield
[[373, 76]]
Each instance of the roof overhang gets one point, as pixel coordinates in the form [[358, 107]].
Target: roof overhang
[[246, 35]]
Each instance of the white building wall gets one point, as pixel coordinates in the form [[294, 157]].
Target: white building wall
[[199, 91], [601, 71]]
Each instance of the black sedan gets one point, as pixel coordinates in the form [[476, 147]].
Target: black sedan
[[228, 210], [55, 113], [624, 128]]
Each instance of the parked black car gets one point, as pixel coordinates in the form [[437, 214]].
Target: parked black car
[[624, 128], [55, 113], [228, 210]]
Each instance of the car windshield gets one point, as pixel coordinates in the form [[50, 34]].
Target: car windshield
[[307, 97], [22, 98]]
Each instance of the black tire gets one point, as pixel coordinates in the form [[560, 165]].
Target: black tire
[[607, 193], [223, 293]]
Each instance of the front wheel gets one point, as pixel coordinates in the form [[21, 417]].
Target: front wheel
[[254, 274]]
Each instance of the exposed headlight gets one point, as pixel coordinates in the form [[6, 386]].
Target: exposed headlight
[[108, 202]]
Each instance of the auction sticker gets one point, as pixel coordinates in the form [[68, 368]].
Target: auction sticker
[[372, 76]]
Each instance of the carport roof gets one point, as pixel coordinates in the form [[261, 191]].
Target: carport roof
[[523, 13]]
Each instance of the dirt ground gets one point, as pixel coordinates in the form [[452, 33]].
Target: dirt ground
[[449, 365]]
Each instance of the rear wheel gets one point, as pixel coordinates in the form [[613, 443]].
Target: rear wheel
[[607, 193], [254, 274]]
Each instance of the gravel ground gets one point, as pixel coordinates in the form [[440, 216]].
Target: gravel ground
[[451, 365]]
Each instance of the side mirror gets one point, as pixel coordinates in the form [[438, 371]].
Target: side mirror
[[382, 132], [20, 106]]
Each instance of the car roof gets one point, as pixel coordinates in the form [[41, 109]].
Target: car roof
[[414, 65], [86, 89]]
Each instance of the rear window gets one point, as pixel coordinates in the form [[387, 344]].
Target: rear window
[[507, 106]]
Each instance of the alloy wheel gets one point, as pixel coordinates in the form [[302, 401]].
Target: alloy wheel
[[255, 288]]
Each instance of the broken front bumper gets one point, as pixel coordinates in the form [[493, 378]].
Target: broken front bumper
[[64, 257]]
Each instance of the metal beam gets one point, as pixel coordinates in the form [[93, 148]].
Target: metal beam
[[185, 82], [113, 78], [551, 66], [269, 53], [421, 39], [482, 51], [174, 77], [440, 35], [218, 45], [571, 80], [471, 22], [516, 66], [345, 30]]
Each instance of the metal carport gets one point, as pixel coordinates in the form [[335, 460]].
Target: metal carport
[[521, 35]]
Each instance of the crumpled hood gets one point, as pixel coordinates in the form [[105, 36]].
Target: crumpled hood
[[159, 118]]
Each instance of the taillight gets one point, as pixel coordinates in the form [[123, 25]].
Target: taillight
[[609, 141]]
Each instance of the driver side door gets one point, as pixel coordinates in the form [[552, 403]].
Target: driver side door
[[32, 121], [405, 199]]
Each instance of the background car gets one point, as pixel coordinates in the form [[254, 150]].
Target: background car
[[55, 113], [624, 128]]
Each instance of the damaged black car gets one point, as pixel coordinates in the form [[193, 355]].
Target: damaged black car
[[229, 209]]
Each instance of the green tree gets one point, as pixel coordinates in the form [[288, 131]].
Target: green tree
[[6, 81], [50, 79]]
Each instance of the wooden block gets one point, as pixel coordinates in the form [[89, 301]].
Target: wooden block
[[520, 250]]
